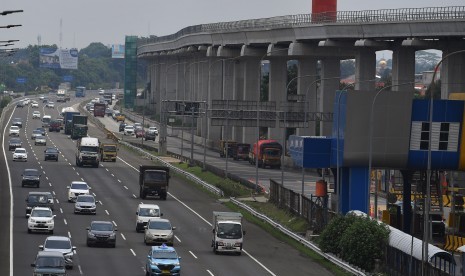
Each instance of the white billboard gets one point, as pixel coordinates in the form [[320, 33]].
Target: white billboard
[[117, 51], [58, 58]]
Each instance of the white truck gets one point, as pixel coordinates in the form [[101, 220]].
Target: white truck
[[227, 232], [87, 152], [61, 95]]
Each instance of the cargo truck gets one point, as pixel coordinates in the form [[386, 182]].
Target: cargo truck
[[67, 120], [228, 232], [87, 151], [80, 92], [227, 146], [61, 95], [108, 152], [99, 109], [153, 181], [240, 151], [78, 126], [268, 153]]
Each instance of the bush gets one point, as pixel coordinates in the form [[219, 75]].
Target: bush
[[358, 240], [364, 242], [331, 236], [5, 101]]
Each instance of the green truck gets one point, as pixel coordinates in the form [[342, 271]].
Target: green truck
[[68, 123], [78, 126], [153, 181]]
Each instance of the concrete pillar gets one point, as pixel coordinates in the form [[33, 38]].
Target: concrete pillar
[[238, 95], [452, 72], [179, 79], [365, 69], [403, 69], [251, 72], [330, 72], [306, 85], [215, 90], [277, 91], [170, 83]]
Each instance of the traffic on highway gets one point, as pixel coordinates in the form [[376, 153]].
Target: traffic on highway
[[112, 215]]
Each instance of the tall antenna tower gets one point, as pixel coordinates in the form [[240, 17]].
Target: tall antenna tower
[[39, 40], [61, 33]]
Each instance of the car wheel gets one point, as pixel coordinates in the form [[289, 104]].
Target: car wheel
[[37, 185], [51, 232], [113, 245], [88, 244], [29, 231]]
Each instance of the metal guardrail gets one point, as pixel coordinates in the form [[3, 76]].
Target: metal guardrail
[[341, 17], [347, 267]]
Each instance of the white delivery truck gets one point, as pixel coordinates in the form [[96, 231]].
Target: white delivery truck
[[227, 232], [87, 152]]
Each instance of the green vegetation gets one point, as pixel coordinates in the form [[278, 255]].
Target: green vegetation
[[357, 240]]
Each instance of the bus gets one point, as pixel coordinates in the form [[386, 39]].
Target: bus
[[80, 91]]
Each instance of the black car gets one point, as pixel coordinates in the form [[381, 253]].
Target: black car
[[14, 143], [101, 233], [31, 177], [42, 130], [17, 122], [20, 104], [121, 126], [51, 154], [39, 199]]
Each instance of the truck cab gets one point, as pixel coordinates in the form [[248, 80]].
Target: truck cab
[[228, 233], [108, 152], [87, 152], [153, 181]]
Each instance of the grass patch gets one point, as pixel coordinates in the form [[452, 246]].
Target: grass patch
[[284, 238]]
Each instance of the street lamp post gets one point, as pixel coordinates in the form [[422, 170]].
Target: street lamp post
[[427, 205]]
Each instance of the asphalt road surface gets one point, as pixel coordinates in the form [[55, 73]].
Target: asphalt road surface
[[115, 186]]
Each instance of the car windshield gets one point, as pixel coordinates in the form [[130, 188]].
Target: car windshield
[[161, 225], [36, 131], [164, 255], [31, 172], [14, 128], [229, 231], [50, 262], [85, 199], [154, 176], [41, 213], [149, 212], [89, 149], [20, 151], [129, 127], [51, 150], [109, 148], [102, 227], [38, 199], [57, 244], [79, 186], [40, 137], [15, 140]]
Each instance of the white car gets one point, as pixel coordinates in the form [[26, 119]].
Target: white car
[[26, 101], [101, 91], [20, 154], [144, 213], [34, 104], [40, 140], [50, 105], [41, 219], [128, 130], [77, 188], [153, 130], [85, 204], [14, 131], [60, 244], [36, 114], [42, 97]]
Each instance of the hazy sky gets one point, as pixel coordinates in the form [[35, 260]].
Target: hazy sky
[[87, 21]]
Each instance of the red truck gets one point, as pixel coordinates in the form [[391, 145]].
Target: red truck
[[99, 109], [269, 154]]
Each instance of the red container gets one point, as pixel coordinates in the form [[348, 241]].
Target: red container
[[324, 10], [321, 188]]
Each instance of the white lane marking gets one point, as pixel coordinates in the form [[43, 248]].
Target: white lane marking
[[126, 187], [133, 253], [119, 181], [107, 212], [61, 210], [80, 270], [82, 179], [209, 272], [113, 175], [106, 169], [134, 196], [94, 194], [70, 165], [77, 173], [193, 254], [100, 202], [57, 200], [206, 221], [73, 168], [41, 167], [46, 176], [177, 238], [69, 234], [54, 193], [114, 223], [50, 184], [66, 223], [122, 236]]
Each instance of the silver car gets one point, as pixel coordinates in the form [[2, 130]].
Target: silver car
[[62, 245], [85, 204], [40, 140], [159, 231]]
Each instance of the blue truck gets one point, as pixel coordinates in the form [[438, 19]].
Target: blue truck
[[80, 91]]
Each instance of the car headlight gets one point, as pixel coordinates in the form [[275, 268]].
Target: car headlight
[[50, 221], [32, 220], [91, 234], [140, 221]]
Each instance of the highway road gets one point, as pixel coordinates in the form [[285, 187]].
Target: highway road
[[115, 186]]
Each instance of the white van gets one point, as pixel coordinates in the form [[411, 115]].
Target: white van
[[46, 120], [144, 213]]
